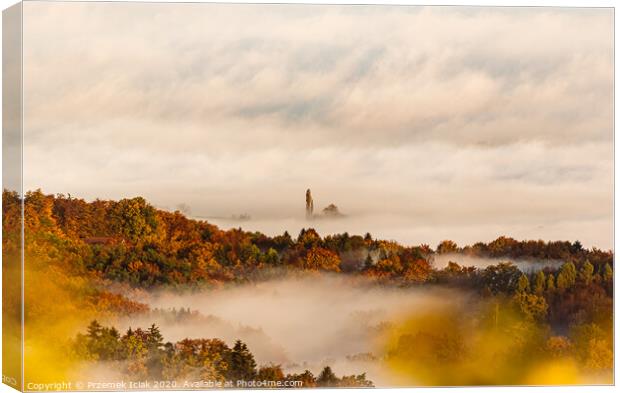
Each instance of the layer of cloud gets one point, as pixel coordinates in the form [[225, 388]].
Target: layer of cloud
[[445, 117]]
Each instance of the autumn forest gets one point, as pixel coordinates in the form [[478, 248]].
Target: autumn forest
[[100, 275]]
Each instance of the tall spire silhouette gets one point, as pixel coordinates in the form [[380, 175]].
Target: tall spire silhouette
[[309, 204]]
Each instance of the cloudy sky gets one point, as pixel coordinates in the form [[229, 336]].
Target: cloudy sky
[[420, 123]]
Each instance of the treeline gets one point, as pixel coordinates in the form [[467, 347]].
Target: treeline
[[143, 354], [132, 242], [562, 315], [75, 249], [562, 298], [506, 247]]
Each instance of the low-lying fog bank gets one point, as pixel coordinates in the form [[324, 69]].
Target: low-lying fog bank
[[415, 230], [301, 323]]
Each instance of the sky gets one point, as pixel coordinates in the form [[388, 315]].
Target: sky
[[420, 124]]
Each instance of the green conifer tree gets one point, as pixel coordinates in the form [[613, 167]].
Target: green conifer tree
[[539, 282], [242, 363]]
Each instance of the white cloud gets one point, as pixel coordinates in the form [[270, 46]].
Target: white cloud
[[459, 116]]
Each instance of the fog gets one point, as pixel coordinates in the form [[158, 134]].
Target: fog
[[412, 230], [410, 119], [306, 322]]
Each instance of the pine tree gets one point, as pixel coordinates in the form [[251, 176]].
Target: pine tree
[[242, 363], [154, 344], [567, 276], [539, 282], [523, 285], [586, 273], [327, 378], [154, 338], [94, 330]]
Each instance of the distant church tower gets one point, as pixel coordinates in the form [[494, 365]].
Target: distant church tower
[[309, 204]]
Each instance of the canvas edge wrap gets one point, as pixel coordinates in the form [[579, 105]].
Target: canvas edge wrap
[[12, 137]]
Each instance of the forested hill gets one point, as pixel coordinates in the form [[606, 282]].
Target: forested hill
[[78, 255], [131, 241]]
